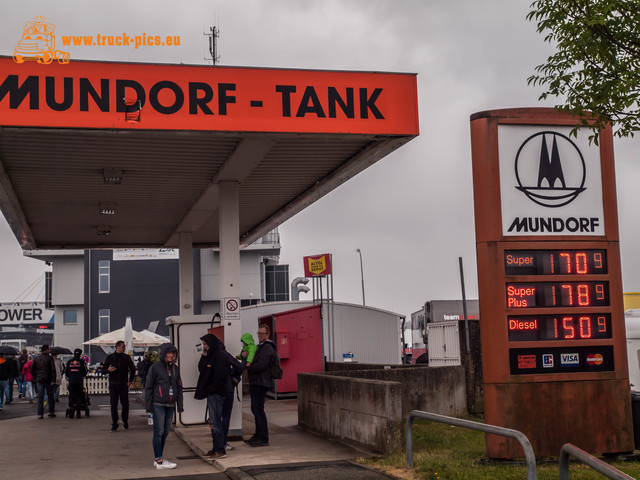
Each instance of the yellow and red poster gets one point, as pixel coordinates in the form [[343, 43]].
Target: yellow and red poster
[[317, 265]]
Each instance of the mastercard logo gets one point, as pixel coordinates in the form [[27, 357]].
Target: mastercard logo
[[594, 359]]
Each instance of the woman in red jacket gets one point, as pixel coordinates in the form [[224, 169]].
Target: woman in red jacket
[[28, 378]]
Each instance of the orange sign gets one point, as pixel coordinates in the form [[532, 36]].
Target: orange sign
[[317, 266], [177, 97]]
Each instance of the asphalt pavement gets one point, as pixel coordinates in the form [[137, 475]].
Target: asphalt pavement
[[63, 448]]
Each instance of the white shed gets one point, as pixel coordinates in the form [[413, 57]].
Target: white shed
[[370, 334], [632, 323]]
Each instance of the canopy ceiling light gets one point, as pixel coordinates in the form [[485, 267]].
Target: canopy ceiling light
[[113, 176], [107, 208]]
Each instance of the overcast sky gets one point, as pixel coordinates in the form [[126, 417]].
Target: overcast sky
[[411, 214]]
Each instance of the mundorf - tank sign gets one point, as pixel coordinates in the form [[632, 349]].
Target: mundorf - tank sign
[[550, 182], [31, 314]]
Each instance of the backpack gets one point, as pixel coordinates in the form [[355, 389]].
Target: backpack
[[274, 366]]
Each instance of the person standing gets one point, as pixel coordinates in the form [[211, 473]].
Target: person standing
[[28, 379], [44, 372], [122, 373], [75, 372], [22, 359], [59, 372], [13, 375], [162, 393], [4, 376], [216, 367], [260, 381]]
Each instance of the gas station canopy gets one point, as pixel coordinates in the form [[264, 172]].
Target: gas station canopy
[[109, 155]]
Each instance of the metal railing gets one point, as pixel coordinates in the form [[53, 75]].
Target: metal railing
[[589, 460], [483, 427]]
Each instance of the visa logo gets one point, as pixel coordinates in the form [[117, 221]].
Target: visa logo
[[569, 359]]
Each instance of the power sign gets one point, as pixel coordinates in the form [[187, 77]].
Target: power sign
[[549, 283]]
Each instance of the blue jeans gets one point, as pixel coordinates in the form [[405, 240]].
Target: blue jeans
[[28, 387], [215, 404], [43, 388], [162, 417], [3, 386], [8, 390], [21, 385]]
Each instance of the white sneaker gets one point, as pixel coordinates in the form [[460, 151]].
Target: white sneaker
[[165, 464], [228, 447]]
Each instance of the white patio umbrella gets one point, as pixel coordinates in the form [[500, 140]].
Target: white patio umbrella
[[140, 339]]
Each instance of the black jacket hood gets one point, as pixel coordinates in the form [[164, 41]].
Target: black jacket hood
[[166, 348], [213, 342]]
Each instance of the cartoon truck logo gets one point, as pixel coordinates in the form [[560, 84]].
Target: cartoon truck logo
[[38, 43]]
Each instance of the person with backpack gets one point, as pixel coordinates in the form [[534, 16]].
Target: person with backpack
[[260, 381], [216, 367]]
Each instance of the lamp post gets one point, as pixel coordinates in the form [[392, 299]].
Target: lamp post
[[361, 274]]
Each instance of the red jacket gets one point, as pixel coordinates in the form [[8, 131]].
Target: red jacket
[[26, 371]]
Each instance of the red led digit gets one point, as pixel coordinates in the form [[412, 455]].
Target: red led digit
[[555, 328], [600, 291], [597, 260], [583, 294], [569, 292], [566, 324], [585, 327], [581, 262], [551, 262], [553, 294], [568, 260], [602, 324]]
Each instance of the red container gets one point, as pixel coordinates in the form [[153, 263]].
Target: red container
[[298, 336]]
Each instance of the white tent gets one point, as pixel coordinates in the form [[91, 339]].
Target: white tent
[[140, 339]]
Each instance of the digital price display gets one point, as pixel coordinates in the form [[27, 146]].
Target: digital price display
[[555, 262], [557, 294], [525, 328]]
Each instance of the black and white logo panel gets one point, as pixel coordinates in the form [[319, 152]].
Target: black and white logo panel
[[550, 182]]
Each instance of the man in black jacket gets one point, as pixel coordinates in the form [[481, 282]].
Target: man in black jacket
[[216, 367], [121, 372], [260, 382], [75, 372], [43, 371]]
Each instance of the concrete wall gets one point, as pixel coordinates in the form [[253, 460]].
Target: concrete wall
[[366, 412], [369, 407]]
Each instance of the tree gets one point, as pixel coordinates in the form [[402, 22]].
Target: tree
[[596, 66]]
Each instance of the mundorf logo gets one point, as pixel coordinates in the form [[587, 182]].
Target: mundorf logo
[[560, 179]]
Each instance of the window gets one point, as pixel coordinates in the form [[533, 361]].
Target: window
[[104, 319], [103, 276], [70, 317], [48, 289]]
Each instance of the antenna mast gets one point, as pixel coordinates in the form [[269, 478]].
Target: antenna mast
[[213, 35]]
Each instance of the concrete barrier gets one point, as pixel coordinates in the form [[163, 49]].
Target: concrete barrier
[[367, 407]]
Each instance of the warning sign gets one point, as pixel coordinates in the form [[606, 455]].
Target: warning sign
[[231, 309]]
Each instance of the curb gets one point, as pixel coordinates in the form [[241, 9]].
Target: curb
[[235, 473]]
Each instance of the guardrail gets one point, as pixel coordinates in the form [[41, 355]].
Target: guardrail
[[589, 460], [483, 427]]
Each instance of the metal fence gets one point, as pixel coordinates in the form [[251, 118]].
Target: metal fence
[[483, 427]]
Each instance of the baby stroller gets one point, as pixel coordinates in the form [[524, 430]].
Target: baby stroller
[[78, 402]]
